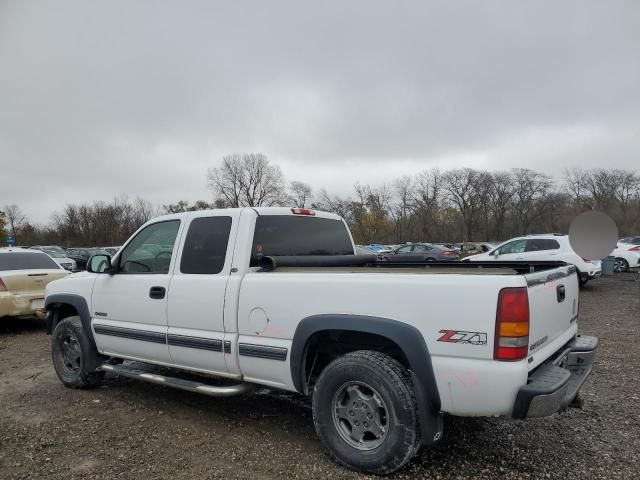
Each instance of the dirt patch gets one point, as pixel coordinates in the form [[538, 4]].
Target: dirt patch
[[127, 429]]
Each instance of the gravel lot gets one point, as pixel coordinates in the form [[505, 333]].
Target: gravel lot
[[127, 429]]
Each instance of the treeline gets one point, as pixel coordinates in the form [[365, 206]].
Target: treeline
[[433, 205]]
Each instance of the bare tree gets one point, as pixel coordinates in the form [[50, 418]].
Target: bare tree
[[247, 180], [427, 197], [15, 220], [531, 197], [460, 187], [299, 193], [500, 197], [335, 204], [403, 191]]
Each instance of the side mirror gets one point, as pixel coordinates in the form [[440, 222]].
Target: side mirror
[[494, 253], [99, 264]]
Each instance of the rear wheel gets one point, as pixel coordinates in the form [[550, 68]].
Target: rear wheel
[[620, 265], [72, 353], [364, 412]]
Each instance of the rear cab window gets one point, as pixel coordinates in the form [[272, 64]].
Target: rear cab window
[[289, 235], [27, 261]]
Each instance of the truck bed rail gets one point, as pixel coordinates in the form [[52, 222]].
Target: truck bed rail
[[272, 263]]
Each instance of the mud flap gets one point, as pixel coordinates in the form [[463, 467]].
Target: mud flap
[[431, 423]]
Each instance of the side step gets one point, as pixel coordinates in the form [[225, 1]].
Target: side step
[[174, 382]]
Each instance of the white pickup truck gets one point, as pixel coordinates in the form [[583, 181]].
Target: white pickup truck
[[276, 297]]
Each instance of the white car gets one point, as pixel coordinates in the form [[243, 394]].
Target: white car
[[59, 256], [276, 297], [551, 247], [626, 256]]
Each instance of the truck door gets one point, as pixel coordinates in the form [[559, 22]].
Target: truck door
[[129, 308], [196, 334]]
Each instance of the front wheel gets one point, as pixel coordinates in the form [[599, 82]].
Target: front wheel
[[72, 353], [365, 413], [620, 265]]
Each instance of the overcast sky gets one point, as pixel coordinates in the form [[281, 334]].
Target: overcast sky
[[139, 98]]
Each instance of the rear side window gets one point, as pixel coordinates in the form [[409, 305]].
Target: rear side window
[[26, 261], [539, 244], [205, 247], [283, 235]]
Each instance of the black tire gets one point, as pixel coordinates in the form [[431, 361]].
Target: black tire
[[72, 352], [583, 281], [621, 265], [378, 380]]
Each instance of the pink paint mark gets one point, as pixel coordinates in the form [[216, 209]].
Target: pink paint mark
[[272, 330]]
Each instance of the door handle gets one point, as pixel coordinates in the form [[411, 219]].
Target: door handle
[[560, 293], [157, 293]]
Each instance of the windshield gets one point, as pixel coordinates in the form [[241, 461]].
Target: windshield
[[54, 253]]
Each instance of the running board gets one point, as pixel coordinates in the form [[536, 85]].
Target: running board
[[174, 382]]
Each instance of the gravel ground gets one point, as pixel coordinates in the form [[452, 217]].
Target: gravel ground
[[128, 429]]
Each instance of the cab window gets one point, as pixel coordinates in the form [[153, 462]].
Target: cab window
[[151, 249], [406, 249], [205, 247]]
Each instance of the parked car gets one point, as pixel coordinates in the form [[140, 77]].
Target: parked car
[[24, 274], [82, 255], [378, 248], [626, 256], [362, 250], [542, 248], [421, 252], [450, 246], [59, 256], [469, 248], [111, 250], [275, 297], [630, 240]]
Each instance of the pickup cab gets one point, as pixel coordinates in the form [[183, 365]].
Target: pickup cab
[[219, 301]]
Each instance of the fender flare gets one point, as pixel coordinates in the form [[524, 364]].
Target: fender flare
[[77, 302], [407, 337]]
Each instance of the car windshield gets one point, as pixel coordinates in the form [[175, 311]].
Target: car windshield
[[97, 251], [26, 261], [54, 253]]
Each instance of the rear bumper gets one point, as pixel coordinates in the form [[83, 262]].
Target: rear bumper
[[590, 275], [555, 384], [14, 305]]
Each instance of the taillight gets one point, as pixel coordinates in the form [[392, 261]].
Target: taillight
[[512, 324], [302, 211], [3, 287], [447, 253], [635, 249], [588, 260]]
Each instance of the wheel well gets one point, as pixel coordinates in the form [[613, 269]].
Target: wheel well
[[325, 346], [59, 311]]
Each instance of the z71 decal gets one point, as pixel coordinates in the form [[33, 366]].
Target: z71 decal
[[460, 336]]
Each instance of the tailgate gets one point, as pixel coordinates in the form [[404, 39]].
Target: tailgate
[[553, 310], [30, 281]]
